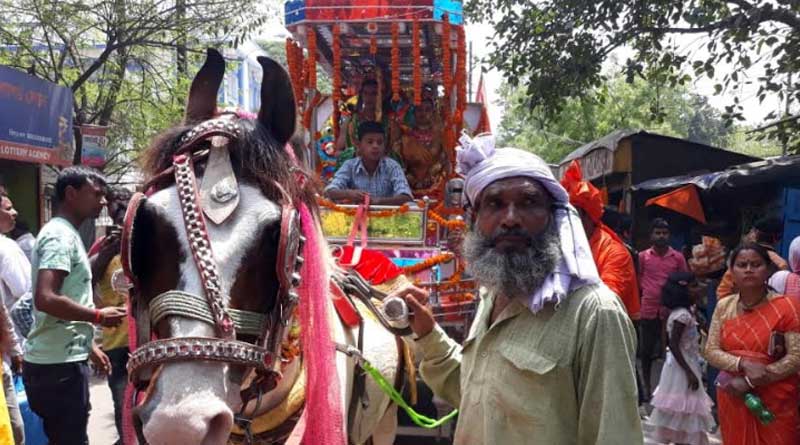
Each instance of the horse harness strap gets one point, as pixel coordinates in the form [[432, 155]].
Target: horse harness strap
[[185, 304], [270, 329]]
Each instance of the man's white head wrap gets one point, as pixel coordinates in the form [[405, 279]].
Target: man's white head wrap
[[482, 164]]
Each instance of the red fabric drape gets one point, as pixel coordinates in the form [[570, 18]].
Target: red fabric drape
[[748, 336]]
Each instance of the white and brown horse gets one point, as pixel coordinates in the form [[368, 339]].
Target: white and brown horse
[[191, 382]]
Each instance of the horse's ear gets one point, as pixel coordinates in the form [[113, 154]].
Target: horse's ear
[[202, 102], [277, 111]]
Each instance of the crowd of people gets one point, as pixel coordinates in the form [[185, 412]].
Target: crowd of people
[[55, 296], [565, 344]]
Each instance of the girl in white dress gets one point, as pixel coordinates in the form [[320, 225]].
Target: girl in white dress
[[681, 407]]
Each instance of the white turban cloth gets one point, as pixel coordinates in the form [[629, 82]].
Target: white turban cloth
[[482, 164]]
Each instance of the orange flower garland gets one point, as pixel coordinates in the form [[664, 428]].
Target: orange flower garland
[[337, 79], [395, 62], [295, 69], [428, 263], [448, 224], [330, 205], [312, 59], [373, 46], [417, 57], [447, 75], [461, 78]]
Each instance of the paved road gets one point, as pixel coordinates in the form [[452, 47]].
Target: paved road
[[102, 431], [101, 420]]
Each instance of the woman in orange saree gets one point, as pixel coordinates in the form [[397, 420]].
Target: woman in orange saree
[[742, 329]]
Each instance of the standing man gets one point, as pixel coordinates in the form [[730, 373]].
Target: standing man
[[550, 356], [56, 374], [15, 283], [613, 260], [655, 266], [104, 257]]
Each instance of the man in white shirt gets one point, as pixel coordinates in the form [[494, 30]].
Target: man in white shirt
[[15, 282]]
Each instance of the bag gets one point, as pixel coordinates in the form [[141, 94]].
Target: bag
[[34, 428]]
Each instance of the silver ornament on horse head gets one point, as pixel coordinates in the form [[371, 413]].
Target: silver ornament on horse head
[[223, 192]]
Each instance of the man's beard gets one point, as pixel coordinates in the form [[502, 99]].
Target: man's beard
[[517, 273]]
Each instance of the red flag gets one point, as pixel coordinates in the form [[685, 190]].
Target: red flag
[[480, 97]]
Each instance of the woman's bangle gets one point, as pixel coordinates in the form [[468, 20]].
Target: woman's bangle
[[738, 363], [98, 316], [749, 383]]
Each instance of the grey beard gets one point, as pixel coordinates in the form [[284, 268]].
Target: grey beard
[[516, 274]]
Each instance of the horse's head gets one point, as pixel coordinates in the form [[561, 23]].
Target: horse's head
[[197, 277]]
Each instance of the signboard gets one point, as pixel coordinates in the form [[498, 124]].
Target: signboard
[[93, 152], [596, 164], [35, 119]]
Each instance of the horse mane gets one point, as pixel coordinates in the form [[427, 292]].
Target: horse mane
[[257, 157]]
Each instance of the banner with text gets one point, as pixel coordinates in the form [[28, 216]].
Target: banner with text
[[93, 152], [35, 119]]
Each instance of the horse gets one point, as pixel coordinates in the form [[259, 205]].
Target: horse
[[221, 278]]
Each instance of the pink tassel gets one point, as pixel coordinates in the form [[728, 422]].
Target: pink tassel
[[323, 399]]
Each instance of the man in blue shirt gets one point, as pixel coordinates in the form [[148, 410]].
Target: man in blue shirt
[[371, 173]]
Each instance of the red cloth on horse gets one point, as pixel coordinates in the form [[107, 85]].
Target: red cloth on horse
[[374, 266]]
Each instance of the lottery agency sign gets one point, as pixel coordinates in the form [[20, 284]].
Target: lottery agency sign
[[35, 119]]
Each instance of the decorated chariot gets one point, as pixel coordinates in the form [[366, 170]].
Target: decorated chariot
[[415, 52]]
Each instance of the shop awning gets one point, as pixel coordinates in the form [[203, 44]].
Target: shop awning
[[779, 169]]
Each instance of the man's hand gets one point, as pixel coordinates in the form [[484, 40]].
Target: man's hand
[[16, 364], [110, 245], [112, 316], [357, 196], [421, 318], [100, 361]]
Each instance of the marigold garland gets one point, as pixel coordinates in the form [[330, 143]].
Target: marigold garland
[[428, 263], [330, 205], [295, 69], [417, 58], [337, 79], [373, 46], [461, 77], [312, 58], [447, 74], [395, 62], [448, 224]]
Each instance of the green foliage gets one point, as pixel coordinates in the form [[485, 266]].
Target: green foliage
[[613, 105], [276, 49], [555, 49], [127, 62]]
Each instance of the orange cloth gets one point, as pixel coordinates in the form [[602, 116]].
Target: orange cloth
[[615, 265], [747, 335], [684, 200], [582, 193]]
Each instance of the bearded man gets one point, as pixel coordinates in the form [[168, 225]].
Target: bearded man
[[550, 356]]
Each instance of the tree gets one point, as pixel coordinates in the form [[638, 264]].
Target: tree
[[120, 55], [613, 105], [557, 48]]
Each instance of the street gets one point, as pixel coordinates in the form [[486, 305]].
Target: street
[[102, 431], [101, 420]]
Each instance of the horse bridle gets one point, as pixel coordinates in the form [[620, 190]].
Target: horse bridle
[[263, 357]]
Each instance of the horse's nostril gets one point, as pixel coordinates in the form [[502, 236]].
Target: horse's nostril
[[219, 428]]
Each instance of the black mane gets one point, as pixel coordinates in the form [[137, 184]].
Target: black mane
[[256, 158]]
